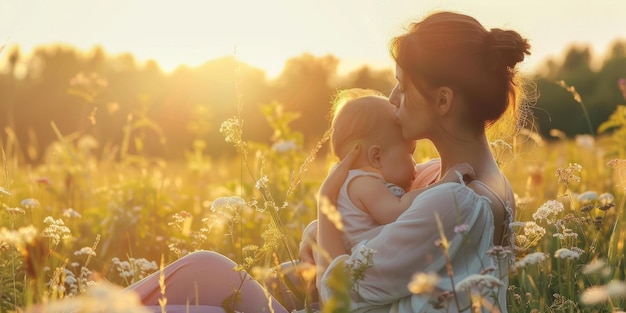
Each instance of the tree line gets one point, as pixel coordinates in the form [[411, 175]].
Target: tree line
[[61, 91]]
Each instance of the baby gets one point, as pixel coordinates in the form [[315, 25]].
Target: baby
[[376, 190]]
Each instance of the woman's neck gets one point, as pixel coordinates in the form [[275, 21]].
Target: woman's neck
[[474, 151]]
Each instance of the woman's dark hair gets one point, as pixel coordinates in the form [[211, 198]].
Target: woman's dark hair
[[455, 50]]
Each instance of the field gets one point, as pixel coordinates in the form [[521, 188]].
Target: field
[[82, 217]]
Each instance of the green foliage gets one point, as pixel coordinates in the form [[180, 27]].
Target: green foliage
[[617, 124]]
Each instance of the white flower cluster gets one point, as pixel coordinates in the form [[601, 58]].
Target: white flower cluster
[[56, 230], [601, 294], [530, 259], [548, 211], [15, 211], [479, 283], [85, 251], [71, 213], [565, 253], [134, 268], [30, 203], [24, 236]]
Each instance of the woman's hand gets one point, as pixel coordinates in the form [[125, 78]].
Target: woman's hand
[[337, 176], [309, 239]]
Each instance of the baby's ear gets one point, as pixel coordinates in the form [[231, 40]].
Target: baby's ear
[[374, 153]]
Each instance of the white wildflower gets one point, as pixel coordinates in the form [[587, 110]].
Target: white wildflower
[[585, 141], [85, 251], [30, 203], [478, 282], [587, 197], [463, 228], [530, 259], [594, 267], [283, 146], [56, 230], [594, 295], [4, 192], [15, 211], [71, 213], [262, 182], [616, 289], [569, 175], [422, 283], [548, 211], [565, 253], [606, 199], [229, 203]]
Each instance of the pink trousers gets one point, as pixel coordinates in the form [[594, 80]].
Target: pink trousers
[[199, 282]]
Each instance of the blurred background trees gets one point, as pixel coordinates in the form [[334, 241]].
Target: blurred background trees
[[116, 99]]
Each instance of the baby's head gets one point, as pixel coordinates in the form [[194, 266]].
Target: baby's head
[[366, 117]]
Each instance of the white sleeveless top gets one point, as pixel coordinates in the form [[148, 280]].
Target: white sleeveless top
[[407, 246], [357, 224]]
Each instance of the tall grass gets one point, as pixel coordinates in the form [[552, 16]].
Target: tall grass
[[90, 213]]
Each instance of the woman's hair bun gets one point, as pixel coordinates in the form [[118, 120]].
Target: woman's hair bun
[[506, 48]]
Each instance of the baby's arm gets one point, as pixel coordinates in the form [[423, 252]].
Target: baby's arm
[[371, 195]]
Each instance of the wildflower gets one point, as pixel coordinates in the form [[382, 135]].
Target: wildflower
[[4, 191], [532, 233], [617, 163], [585, 141], [422, 283], [463, 228], [227, 203], [85, 251], [43, 180], [594, 266], [616, 289], [499, 251], [606, 201], [587, 197], [15, 211], [56, 230], [30, 203], [268, 205], [565, 253], [87, 143], [569, 175], [531, 259], [283, 146], [71, 213], [548, 211], [356, 268], [262, 182], [594, 295], [478, 282], [229, 207], [231, 129]]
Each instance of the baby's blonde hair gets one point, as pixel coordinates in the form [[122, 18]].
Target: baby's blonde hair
[[358, 116]]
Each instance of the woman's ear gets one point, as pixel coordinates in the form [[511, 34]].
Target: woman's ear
[[445, 98], [373, 156]]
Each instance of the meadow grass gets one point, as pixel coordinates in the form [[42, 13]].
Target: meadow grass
[[80, 218]]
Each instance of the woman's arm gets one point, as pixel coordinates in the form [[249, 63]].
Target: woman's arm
[[329, 228], [408, 245]]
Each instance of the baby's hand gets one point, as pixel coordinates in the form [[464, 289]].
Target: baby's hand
[[457, 172]]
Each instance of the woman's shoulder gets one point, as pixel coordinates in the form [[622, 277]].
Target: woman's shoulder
[[449, 196]]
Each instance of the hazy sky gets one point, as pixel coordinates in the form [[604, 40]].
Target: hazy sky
[[265, 33]]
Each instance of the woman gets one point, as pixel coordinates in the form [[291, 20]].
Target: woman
[[454, 80]]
